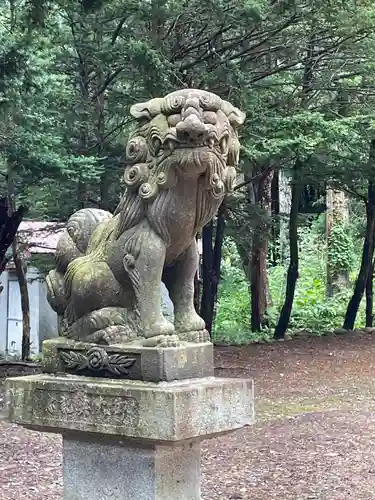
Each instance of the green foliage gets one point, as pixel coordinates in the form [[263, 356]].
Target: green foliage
[[232, 316], [302, 71], [312, 310], [341, 253]]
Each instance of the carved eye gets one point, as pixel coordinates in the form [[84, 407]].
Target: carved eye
[[173, 120], [210, 117], [136, 149], [155, 145]]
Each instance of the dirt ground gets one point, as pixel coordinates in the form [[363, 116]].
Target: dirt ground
[[314, 437]]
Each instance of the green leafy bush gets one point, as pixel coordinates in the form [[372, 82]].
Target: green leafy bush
[[312, 309]]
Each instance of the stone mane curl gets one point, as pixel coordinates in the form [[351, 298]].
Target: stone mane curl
[[150, 154], [182, 161]]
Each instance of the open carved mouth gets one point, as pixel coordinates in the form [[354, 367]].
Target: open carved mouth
[[171, 144]]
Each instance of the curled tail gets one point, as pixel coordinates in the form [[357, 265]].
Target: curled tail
[[71, 245], [109, 325]]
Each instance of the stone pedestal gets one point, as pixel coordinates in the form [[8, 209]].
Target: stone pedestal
[[130, 439], [153, 364], [116, 470]]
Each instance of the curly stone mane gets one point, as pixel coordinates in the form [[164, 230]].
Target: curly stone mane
[[151, 153], [181, 162]]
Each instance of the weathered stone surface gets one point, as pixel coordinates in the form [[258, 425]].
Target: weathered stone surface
[[340, 331], [369, 330], [182, 160], [164, 412], [137, 377], [154, 364], [102, 470]]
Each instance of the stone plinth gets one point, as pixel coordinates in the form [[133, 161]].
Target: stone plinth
[[154, 364], [126, 439], [117, 471], [162, 413], [131, 417]]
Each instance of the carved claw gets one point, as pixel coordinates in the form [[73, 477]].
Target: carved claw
[[197, 337], [159, 328], [187, 323], [158, 341]]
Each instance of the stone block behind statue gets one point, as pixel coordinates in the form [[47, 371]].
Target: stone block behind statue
[[182, 161]]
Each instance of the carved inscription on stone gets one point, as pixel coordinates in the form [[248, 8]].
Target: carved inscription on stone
[[82, 409]]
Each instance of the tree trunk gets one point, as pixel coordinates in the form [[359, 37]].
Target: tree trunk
[[197, 283], [25, 303], [258, 275], [20, 271], [257, 289], [292, 274], [81, 194], [367, 253], [211, 265], [370, 297], [285, 203], [337, 215], [8, 228], [275, 213], [196, 292], [105, 179], [83, 117]]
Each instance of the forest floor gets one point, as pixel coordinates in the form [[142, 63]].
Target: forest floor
[[314, 437]]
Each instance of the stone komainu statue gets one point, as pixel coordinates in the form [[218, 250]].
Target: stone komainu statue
[[106, 285]]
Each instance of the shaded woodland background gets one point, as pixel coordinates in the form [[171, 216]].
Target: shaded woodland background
[[293, 249]]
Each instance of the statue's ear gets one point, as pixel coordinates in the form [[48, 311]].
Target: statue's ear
[[146, 110], [236, 118], [140, 111]]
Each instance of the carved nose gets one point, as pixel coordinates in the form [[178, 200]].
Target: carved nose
[[191, 129]]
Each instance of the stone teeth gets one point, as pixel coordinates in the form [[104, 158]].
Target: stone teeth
[[211, 142], [171, 145]]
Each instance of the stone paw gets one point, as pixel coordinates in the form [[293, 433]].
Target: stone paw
[[117, 335], [189, 322], [162, 341], [197, 337], [159, 328]]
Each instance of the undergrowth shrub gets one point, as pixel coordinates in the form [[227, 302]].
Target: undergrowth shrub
[[312, 310], [232, 320]]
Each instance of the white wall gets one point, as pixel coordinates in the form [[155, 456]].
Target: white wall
[[47, 316], [43, 320]]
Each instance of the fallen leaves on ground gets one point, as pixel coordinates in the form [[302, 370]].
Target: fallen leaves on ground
[[314, 438]]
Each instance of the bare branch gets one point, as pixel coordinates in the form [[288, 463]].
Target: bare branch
[[107, 82]]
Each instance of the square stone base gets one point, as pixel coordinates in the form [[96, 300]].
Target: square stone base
[[114, 471], [152, 364], [126, 439], [167, 412]]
